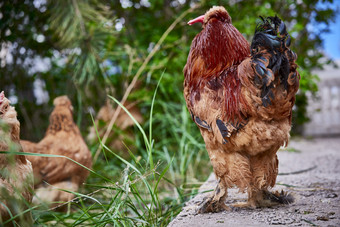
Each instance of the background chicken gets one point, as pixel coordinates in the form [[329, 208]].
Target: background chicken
[[16, 174], [241, 98], [123, 124], [62, 138]]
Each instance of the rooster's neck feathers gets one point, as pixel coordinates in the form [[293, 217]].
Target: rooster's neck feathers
[[214, 57], [217, 47]]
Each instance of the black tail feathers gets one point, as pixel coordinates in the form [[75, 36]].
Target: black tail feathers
[[272, 58], [270, 33]]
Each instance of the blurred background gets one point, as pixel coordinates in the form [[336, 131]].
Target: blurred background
[[89, 49]]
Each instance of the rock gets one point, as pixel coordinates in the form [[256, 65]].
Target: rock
[[307, 194], [331, 195], [322, 218]]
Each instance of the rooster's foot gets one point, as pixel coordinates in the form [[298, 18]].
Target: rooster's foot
[[212, 205]]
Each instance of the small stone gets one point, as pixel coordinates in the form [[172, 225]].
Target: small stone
[[331, 195], [322, 218], [275, 222], [308, 194]]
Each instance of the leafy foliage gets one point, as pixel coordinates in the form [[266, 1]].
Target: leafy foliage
[[89, 49]]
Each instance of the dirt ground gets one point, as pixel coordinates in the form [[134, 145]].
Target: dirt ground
[[310, 169]]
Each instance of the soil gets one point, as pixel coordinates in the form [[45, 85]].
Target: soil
[[310, 169]]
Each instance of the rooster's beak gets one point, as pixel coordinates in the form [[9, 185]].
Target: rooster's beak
[[199, 19]]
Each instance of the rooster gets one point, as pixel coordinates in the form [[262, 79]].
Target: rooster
[[16, 174], [62, 138], [241, 98]]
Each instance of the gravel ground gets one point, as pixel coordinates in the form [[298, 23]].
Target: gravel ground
[[310, 169]]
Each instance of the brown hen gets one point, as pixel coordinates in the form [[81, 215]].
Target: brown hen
[[16, 174], [241, 98], [62, 138]]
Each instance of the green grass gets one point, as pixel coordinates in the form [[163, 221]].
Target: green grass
[[148, 188]]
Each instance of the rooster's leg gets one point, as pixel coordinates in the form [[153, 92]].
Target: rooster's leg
[[264, 172], [216, 202], [254, 196]]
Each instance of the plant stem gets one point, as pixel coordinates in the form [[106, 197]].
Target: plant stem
[[139, 72]]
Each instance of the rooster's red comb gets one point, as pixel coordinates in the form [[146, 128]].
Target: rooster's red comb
[[2, 96]]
